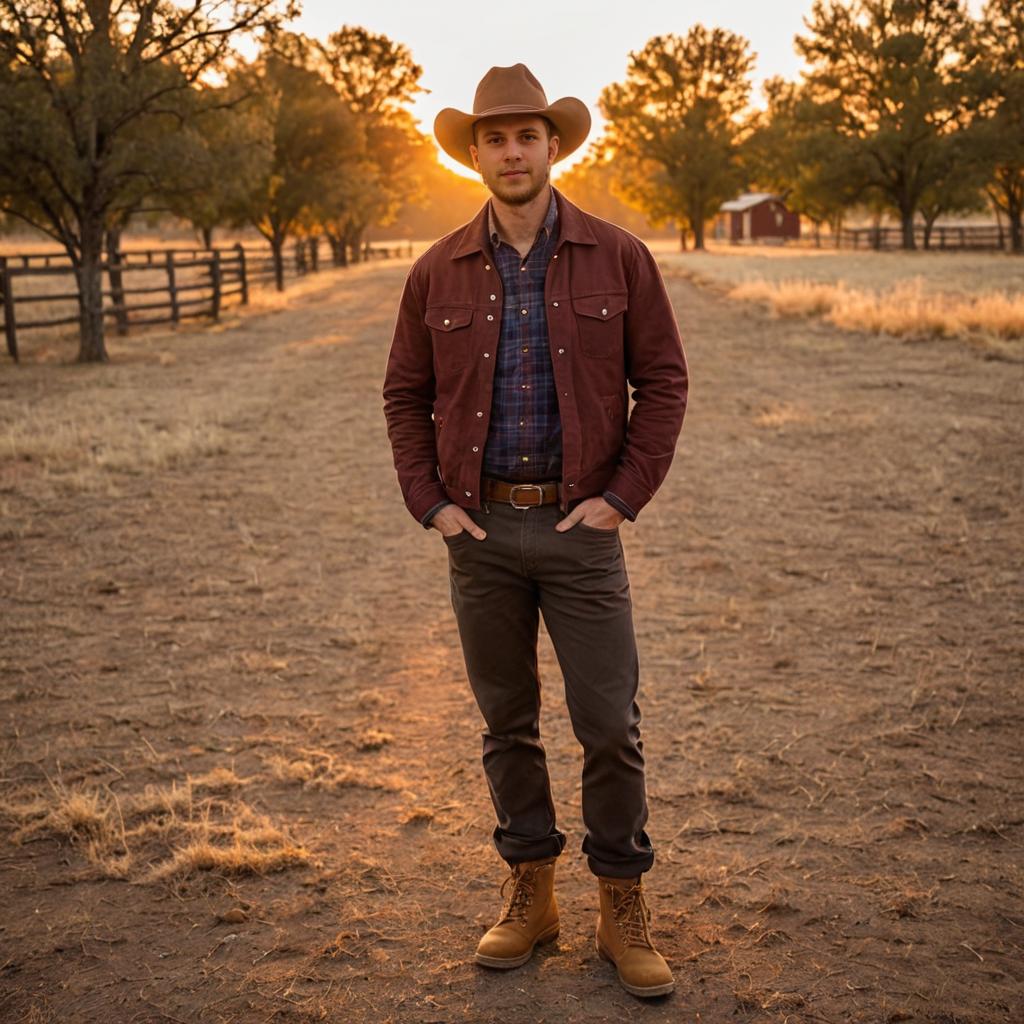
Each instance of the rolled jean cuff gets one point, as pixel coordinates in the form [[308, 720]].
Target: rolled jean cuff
[[513, 849]]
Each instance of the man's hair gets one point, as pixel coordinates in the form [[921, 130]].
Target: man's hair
[[548, 125]]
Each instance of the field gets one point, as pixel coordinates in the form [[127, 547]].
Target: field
[[239, 766]]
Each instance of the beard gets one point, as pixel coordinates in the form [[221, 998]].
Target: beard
[[515, 195]]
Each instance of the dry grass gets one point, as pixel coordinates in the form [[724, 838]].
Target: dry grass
[[907, 310], [162, 832], [976, 297]]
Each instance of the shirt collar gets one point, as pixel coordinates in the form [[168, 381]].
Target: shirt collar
[[547, 228]]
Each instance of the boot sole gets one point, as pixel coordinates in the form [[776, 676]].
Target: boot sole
[[635, 990], [505, 962]]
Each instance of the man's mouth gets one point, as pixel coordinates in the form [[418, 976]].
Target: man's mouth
[[512, 174]]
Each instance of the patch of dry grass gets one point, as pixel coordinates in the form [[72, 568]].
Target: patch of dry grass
[[323, 770], [161, 832], [77, 444], [908, 310]]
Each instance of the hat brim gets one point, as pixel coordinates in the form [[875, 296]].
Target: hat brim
[[453, 128]]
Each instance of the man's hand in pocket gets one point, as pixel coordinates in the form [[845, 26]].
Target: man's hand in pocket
[[453, 519]]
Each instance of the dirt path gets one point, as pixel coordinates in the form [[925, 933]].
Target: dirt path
[[828, 595]]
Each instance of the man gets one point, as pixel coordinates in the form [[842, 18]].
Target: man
[[506, 395]]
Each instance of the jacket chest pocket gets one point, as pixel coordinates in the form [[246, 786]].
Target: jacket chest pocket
[[450, 328], [599, 319]]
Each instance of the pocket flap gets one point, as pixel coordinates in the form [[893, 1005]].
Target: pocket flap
[[603, 306], [444, 318]]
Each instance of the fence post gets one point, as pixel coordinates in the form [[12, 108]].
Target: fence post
[[172, 287], [314, 254], [215, 281], [10, 326], [240, 249]]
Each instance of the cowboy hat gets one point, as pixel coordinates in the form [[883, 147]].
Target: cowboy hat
[[511, 90]]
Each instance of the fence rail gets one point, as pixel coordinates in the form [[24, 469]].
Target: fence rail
[[941, 237], [195, 282]]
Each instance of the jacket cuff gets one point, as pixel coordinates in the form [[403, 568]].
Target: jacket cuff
[[425, 519], [617, 503], [633, 495]]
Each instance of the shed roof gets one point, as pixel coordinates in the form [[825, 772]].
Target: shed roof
[[747, 200]]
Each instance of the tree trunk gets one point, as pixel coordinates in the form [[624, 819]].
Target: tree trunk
[[207, 238], [682, 239], [907, 224], [89, 274], [698, 232], [276, 247]]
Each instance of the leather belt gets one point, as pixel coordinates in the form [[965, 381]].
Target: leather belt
[[521, 495]]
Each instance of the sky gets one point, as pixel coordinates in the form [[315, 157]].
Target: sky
[[574, 48]]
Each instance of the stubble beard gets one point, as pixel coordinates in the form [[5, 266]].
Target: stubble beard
[[520, 198]]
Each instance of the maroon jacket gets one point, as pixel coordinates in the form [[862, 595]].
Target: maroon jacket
[[611, 326]]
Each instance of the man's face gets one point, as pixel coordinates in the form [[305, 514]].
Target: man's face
[[514, 156]]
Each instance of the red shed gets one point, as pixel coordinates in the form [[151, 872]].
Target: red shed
[[756, 217]]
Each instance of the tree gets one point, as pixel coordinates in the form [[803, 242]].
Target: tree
[[893, 75], [675, 125], [818, 174], [377, 78], [315, 144], [999, 134], [81, 82]]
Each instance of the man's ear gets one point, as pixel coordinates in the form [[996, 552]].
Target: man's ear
[[472, 153], [552, 149]]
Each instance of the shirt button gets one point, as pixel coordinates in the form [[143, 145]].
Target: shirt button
[[523, 311], [522, 268], [493, 297], [526, 348], [489, 316], [526, 458]]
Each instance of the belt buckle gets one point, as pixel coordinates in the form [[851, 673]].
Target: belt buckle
[[516, 487]]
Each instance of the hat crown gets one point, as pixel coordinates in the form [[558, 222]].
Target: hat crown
[[511, 86]]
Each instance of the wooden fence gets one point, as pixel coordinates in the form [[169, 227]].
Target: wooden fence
[[943, 237], [189, 282]]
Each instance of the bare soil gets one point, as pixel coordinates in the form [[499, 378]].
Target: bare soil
[[828, 593]]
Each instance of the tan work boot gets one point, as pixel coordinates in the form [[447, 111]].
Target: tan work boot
[[529, 917], [624, 937]]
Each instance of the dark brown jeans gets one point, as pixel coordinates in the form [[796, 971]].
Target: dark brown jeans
[[578, 581]]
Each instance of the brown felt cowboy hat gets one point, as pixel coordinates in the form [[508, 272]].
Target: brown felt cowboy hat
[[511, 90]]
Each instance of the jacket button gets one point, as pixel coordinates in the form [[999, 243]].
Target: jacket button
[[493, 297], [487, 266], [476, 448], [487, 355], [489, 316], [555, 257], [561, 351], [604, 312], [469, 494], [447, 322], [572, 485], [554, 303], [480, 414]]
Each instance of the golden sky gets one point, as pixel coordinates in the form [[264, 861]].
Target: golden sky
[[574, 48]]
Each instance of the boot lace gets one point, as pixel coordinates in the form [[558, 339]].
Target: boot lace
[[519, 899], [632, 915]]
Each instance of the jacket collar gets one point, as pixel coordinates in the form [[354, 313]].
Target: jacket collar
[[573, 227]]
